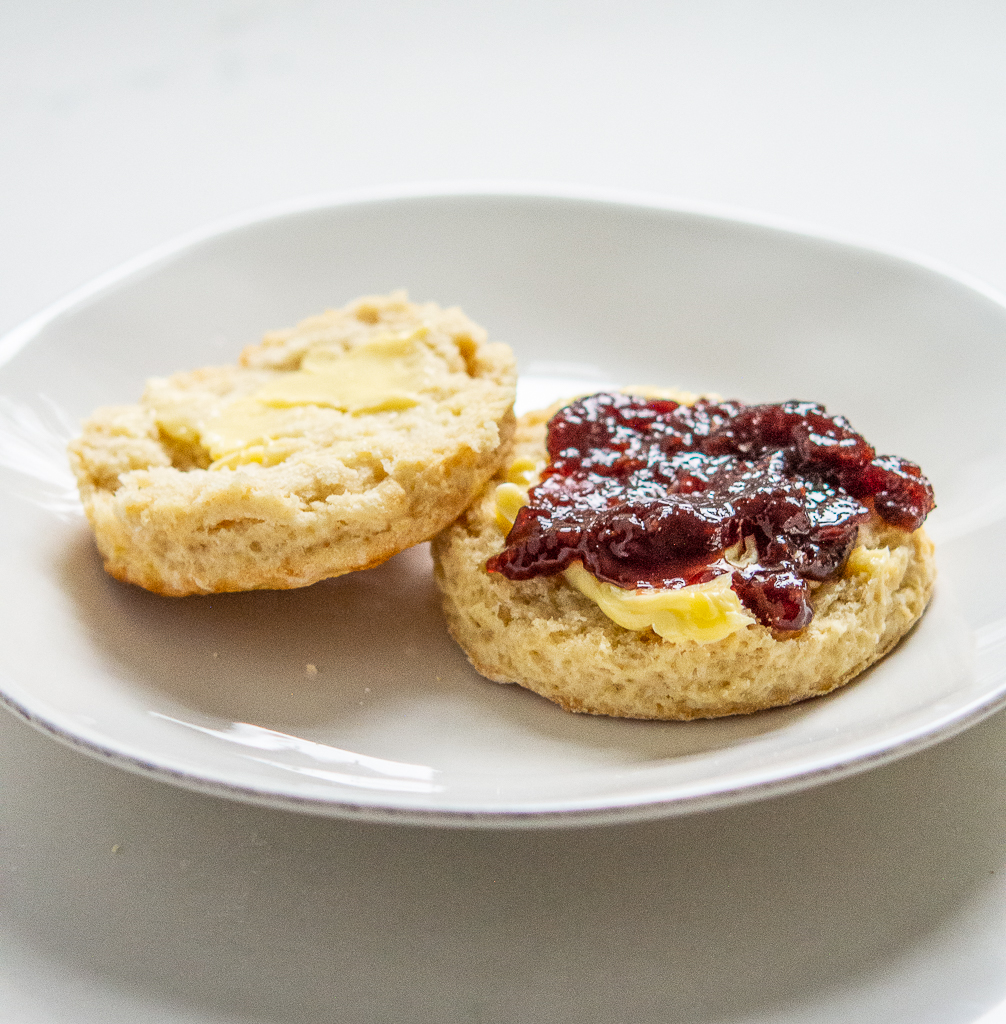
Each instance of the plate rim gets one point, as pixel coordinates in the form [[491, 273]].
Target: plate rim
[[581, 812], [18, 336], [624, 812]]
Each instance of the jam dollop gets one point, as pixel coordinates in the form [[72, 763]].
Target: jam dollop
[[653, 493]]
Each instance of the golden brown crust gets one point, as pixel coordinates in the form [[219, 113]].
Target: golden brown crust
[[353, 491], [549, 638]]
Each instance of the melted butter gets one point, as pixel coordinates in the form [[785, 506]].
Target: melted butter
[[381, 375], [703, 612]]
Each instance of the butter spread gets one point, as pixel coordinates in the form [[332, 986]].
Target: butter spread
[[703, 612], [373, 377], [384, 374]]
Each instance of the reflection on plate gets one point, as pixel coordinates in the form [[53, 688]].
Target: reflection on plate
[[349, 697]]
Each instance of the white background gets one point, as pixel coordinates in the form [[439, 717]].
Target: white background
[[881, 898]]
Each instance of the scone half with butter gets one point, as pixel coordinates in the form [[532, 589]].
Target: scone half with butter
[[664, 556], [328, 448]]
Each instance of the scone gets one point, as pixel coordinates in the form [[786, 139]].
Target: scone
[[329, 447], [717, 655]]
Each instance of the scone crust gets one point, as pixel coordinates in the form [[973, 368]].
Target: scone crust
[[357, 491], [549, 638]]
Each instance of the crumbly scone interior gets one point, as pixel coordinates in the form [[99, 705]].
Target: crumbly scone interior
[[328, 490], [545, 635]]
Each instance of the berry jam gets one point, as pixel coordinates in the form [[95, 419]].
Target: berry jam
[[656, 494]]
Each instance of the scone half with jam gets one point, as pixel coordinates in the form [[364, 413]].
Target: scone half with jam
[[663, 556], [328, 448]]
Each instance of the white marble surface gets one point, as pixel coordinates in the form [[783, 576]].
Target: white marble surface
[[880, 898]]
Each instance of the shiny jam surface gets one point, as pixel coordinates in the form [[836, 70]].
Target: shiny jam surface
[[650, 493]]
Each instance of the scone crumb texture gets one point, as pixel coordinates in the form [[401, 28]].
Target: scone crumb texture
[[327, 448], [547, 635]]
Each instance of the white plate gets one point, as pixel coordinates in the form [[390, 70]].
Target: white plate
[[213, 692]]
